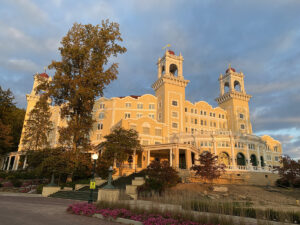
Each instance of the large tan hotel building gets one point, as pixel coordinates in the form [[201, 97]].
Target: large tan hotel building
[[174, 129]]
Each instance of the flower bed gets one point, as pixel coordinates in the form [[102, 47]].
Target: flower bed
[[147, 219]]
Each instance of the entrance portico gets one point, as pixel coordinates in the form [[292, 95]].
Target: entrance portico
[[180, 156]]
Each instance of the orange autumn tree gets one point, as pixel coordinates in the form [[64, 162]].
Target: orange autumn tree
[[209, 167]]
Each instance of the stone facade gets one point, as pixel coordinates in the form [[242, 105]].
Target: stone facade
[[174, 129]]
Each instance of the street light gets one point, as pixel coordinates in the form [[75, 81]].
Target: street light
[[92, 182]]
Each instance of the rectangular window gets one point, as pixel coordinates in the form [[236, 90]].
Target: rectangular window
[[98, 136], [276, 158], [151, 106], [196, 121], [186, 129], [102, 106], [201, 112], [192, 130], [242, 126], [204, 113], [174, 125], [210, 114], [222, 116], [159, 105], [158, 132], [151, 116], [159, 116], [174, 103], [146, 130], [241, 116], [140, 105], [185, 109], [139, 115], [202, 122], [175, 114], [127, 115], [128, 105], [195, 111], [101, 115], [100, 126], [192, 110], [214, 115], [157, 143]]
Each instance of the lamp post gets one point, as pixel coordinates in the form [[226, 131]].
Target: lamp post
[[92, 182]]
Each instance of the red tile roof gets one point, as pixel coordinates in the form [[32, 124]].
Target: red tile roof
[[44, 75]]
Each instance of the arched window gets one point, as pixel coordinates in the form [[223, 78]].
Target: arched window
[[253, 160], [262, 162], [224, 158], [240, 159], [226, 87], [237, 86], [173, 69]]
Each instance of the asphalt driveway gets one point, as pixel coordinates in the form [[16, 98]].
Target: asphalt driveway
[[18, 209]]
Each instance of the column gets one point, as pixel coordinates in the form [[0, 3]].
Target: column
[[7, 168], [249, 165], [134, 160], [188, 159], [25, 162], [232, 152], [148, 157], [16, 162], [259, 159], [171, 157], [176, 150]]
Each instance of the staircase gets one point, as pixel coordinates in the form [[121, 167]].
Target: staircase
[[84, 192], [76, 195]]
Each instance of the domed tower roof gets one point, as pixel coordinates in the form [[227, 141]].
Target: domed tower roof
[[44, 75], [230, 69]]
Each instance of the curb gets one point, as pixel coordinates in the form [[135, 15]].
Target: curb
[[118, 220]]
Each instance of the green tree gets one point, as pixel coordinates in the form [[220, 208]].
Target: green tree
[[38, 126], [120, 144], [81, 76], [209, 168], [11, 122], [5, 138], [160, 175]]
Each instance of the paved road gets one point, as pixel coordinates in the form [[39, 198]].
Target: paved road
[[23, 210]]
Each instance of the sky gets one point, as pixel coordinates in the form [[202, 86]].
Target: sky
[[261, 38]]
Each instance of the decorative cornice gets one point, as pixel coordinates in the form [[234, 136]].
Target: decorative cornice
[[233, 95], [169, 80]]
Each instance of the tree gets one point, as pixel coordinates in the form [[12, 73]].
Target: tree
[[11, 122], [5, 138], [160, 175], [120, 144], [81, 76], [38, 126], [289, 171], [209, 168], [58, 161]]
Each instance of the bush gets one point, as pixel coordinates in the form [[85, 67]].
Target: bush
[[296, 183], [16, 183], [3, 174], [39, 188], [1, 185], [159, 176], [282, 182]]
